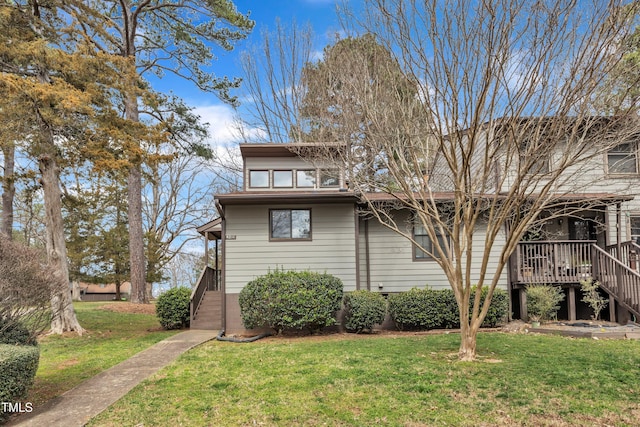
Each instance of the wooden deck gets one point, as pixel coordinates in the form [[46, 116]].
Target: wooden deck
[[567, 263], [551, 262]]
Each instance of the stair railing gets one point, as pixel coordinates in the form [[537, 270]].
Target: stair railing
[[206, 281], [617, 279]]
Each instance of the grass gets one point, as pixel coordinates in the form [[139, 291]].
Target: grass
[[534, 380], [110, 337]]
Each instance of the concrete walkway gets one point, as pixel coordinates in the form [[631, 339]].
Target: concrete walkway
[[77, 406]]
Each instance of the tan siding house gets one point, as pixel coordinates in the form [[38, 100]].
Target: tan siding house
[[297, 215]]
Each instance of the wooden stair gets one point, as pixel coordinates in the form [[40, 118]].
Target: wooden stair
[[619, 280], [206, 301], [209, 313]]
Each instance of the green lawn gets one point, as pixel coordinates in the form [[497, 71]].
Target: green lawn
[[351, 380], [67, 360]]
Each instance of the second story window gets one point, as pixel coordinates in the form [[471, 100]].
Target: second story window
[[329, 178], [622, 159], [282, 179], [290, 224], [259, 179], [306, 178], [540, 165]]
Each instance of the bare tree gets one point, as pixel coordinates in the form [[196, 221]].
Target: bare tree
[[273, 80], [177, 201], [509, 88], [26, 285]]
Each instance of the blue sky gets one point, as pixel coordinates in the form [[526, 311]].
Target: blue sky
[[321, 14]]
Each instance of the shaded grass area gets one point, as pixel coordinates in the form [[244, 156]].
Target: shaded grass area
[[110, 337], [349, 380]]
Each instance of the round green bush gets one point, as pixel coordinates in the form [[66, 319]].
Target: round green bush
[[363, 309], [18, 366], [14, 332], [172, 308], [291, 300]]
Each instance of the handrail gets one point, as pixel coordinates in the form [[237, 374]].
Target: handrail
[[208, 280], [629, 253], [617, 279]]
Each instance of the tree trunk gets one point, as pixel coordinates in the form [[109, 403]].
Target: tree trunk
[[118, 284], [134, 196], [468, 338], [8, 190], [63, 316], [468, 333], [136, 237], [75, 291]]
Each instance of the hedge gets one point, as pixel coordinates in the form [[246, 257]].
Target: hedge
[[18, 366], [291, 300], [363, 310], [12, 331], [173, 308], [419, 309]]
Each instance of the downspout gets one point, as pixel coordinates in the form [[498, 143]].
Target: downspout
[[356, 219], [366, 253]]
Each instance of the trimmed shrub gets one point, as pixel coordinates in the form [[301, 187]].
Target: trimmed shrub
[[419, 309], [18, 366], [13, 332], [291, 300], [498, 309], [424, 309], [363, 309], [172, 308]]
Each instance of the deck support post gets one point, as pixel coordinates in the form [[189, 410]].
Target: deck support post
[[612, 309], [522, 293], [571, 303]]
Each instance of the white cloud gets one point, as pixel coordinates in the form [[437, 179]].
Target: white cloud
[[224, 127]]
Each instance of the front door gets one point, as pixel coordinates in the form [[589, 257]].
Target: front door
[[582, 229]]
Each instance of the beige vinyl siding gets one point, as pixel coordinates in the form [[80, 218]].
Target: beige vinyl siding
[[254, 163], [393, 267], [251, 254]]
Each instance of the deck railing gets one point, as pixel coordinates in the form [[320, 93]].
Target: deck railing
[[562, 261], [209, 281]]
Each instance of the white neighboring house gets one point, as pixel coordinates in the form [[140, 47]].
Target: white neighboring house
[[294, 214]]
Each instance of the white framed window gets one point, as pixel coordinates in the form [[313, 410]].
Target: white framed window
[[634, 224], [623, 159]]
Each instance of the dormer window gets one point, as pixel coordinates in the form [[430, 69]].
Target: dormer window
[[283, 179], [306, 178], [329, 178], [259, 179], [622, 159]]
